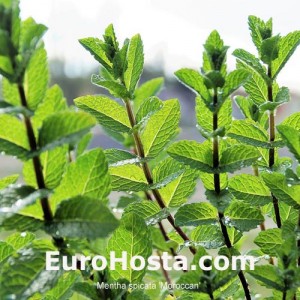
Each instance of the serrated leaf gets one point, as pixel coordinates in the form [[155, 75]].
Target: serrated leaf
[[93, 45], [242, 217], [234, 80], [115, 88], [148, 89], [208, 180], [19, 240], [7, 108], [161, 128], [128, 178], [193, 80], [6, 250], [196, 214], [287, 213], [82, 217], [293, 121], [64, 128], [87, 176], [148, 108], [4, 182], [86, 289], [25, 274], [237, 157], [13, 137], [208, 236], [83, 144], [22, 223], [135, 63], [250, 188], [287, 46], [118, 157], [196, 155], [53, 165], [269, 241], [276, 182], [134, 237], [63, 290], [182, 182], [269, 49], [256, 26], [108, 112]]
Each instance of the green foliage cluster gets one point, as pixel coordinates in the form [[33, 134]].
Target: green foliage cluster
[[65, 190]]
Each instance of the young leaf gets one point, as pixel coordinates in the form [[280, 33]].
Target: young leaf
[[269, 49], [148, 108], [249, 188], [25, 274], [87, 176], [161, 128], [4, 182], [198, 156], [117, 157], [20, 240], [293, 121], [242, 217], [208, 236], [269, 241], [64, 128], [128, 178], [108, 113], [134, 237], [83, 217], [196, 214], [135, 63]]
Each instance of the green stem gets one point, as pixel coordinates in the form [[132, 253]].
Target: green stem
[[272, 149], [148, 175], [217, 188]]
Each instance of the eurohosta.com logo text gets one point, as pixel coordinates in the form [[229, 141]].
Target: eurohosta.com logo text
[[55, 261]]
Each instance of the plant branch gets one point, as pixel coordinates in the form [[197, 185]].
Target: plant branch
[[148, 175], [217, 187], [272, 150], [165, 273]]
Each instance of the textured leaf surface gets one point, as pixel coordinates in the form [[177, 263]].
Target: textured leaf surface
[[135, 63], [64, 128], [128, 178], [4, 182], [25, 274], [243, 218], [249, 188], [87, 176], [19, 240], [148, 108], [208, 236], [108, 112], [196, 214], [117, 157], [269, 241], [6, 250], [83, 217], [161, 128], [134, 237], [293, 121]]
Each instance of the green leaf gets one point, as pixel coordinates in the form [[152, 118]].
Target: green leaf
[[6, 181], [269, 49], [53, 164], [242, 217], [13, 137], [117, 157], [205, 117], [269, 241], [196, 155], [196, 214], [20, 240], [36, 78], [83, 217], [148, 108], [208, 180], [86, 289], [63, 290], [108, 112], [237, 157], [138, 295], [148, 89], [208, 236], [283, 96], [6, 68], [292, 138], [276, 182], [234, 80], [87, 176], [94, 46], [6, 250], [293, 121], [25, 274], [64, 128], [249, 188], [83, 144], [22, 223], [135, 63], [181, 185], [193, 80], [134, 237], [249, 132], [148, 210], [128, 178], [287, 46], [115, 88], [259, 30], [161, 128]]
